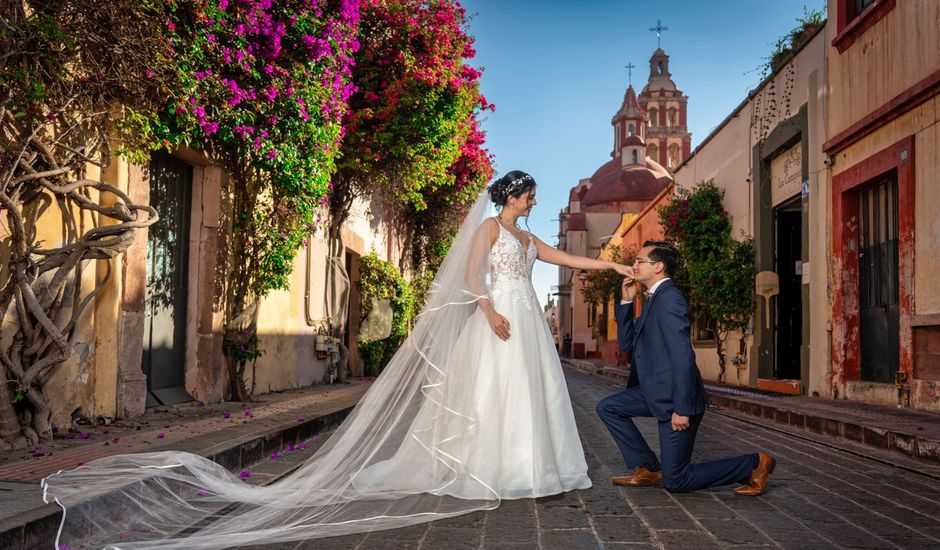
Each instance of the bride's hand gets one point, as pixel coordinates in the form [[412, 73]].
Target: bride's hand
[[624, 270], [499, 324]]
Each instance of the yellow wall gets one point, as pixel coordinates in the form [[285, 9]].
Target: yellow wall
[[290, 359], [927, 215]]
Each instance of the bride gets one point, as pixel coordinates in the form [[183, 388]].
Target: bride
[[472, 409]]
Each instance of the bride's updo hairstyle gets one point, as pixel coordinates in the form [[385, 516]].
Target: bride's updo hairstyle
[[512, 184]]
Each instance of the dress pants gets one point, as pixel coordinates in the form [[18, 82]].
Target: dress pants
[[680, 475]]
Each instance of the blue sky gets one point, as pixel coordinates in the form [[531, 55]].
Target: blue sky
[[555, 71]]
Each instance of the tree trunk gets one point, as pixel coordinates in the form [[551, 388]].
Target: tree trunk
[[236, 372], [720, 349], [240, 345], [11, 434], [341, 199]]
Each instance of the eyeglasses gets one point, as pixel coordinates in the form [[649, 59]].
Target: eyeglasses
[[643, 261]]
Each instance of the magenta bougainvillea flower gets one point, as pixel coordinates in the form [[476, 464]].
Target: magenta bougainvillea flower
[[269, 83]]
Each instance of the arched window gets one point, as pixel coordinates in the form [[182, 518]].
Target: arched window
[[635, 159], [659, 67], [671, 117], [630, 129], [654, 117], [653, 152], [673, 155]]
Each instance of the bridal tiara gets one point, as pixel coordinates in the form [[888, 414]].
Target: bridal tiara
[[515, 184]]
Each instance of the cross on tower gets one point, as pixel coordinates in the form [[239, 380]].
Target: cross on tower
[[629, 67], [658, 29]]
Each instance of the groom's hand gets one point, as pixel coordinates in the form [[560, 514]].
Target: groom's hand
[[679, 422], [628, 287]]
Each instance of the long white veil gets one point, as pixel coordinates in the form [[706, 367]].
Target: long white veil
[[397, 460]]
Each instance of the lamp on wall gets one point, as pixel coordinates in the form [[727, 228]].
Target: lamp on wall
[[582, 276]]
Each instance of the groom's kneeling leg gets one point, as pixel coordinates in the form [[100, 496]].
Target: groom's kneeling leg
[[617, 411], [679, 474]]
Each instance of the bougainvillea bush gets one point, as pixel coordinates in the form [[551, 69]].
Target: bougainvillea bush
[[263, 88], [416, 97], [411, 127]]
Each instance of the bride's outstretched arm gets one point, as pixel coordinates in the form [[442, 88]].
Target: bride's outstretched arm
[[552, 255]]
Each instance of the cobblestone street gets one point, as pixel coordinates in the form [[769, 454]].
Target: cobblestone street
[[823, 494]]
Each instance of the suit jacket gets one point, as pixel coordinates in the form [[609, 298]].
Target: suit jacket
[[660, 345]]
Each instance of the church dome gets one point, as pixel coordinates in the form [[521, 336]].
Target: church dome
[[613, 182]]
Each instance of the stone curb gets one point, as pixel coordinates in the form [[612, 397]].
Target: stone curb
[[36, 528], [870, 435], [777, 411]]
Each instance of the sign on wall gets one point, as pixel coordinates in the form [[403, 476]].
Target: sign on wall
[[786, 174], [767, 284]]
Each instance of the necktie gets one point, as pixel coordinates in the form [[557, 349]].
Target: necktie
[[647, 294]]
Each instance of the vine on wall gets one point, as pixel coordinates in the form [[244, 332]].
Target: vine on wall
[[66, 69]]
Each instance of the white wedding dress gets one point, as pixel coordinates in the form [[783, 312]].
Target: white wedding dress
[[458, 420], [523, 442]]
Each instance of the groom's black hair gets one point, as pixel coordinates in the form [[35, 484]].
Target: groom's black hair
[[512, 184], [664, 252]]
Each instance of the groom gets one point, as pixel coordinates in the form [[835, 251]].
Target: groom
[[666, 384]]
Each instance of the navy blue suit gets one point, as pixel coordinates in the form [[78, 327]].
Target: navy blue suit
[[664, 379]]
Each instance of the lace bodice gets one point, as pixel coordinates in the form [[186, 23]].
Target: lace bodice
[[509, 261]]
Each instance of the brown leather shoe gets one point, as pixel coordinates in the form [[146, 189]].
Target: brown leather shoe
[[758, 482], [639, 478]]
